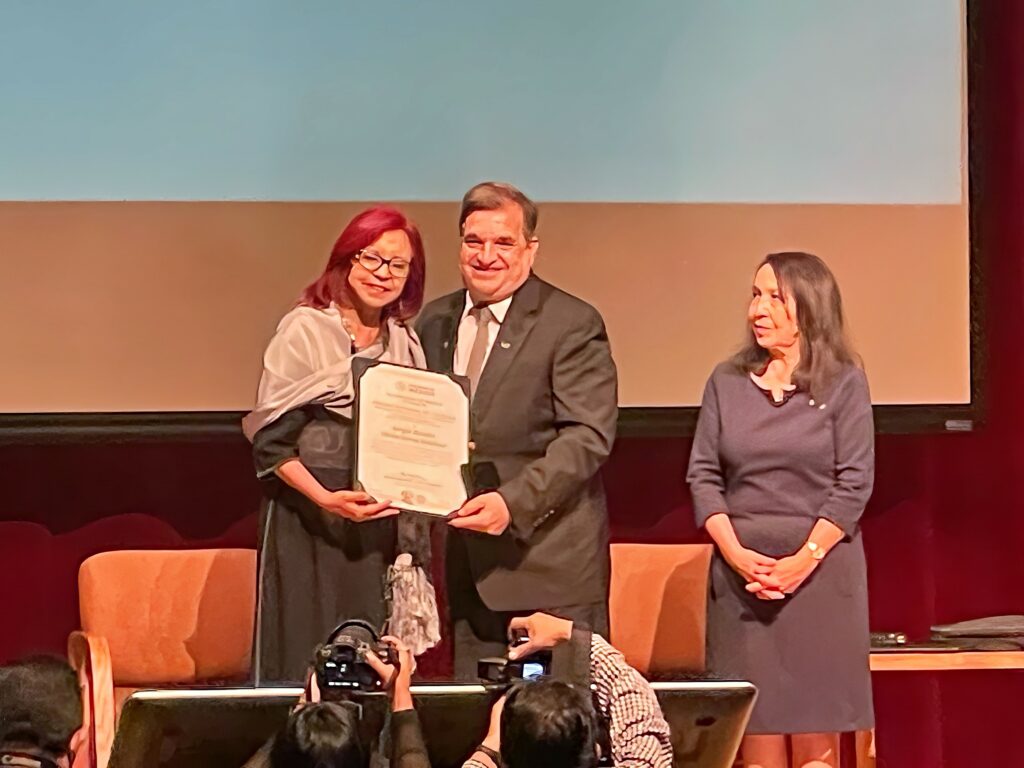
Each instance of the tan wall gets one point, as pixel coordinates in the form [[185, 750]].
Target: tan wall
[[167, 306]]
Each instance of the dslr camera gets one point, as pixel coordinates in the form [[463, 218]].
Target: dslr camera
[[340, 665], [500, 670]]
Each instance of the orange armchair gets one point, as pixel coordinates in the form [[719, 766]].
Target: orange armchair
[[658, 605], [155, 619]]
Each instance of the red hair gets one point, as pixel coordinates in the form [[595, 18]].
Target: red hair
[[361, 232]]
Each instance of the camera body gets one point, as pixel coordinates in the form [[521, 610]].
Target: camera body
[[500, 670], [340, 665]]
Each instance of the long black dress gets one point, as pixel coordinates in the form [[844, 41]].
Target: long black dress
[[316, 569], [775, 469]]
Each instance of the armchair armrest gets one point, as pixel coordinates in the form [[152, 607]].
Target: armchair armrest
[[90, 656]]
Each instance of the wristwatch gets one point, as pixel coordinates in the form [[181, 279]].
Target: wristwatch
[[817, 551]]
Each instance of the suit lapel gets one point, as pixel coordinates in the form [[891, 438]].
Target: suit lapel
[[522, 314]]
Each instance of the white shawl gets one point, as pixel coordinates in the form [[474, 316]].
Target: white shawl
[[309, 361]]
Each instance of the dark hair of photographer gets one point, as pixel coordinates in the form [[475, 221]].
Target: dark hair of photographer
[[322, 735], [40, 712], [548, 724]]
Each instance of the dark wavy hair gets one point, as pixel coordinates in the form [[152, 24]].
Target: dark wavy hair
[[824, 345], [548, 724], [361, 232]]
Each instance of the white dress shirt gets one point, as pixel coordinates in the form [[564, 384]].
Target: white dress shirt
[[467, 332]]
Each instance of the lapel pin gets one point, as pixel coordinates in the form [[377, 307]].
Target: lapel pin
[[505, 345]]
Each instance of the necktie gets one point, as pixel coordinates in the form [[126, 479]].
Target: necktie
[[478, 353]]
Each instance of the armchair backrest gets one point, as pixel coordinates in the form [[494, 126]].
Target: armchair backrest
[[658, 605], [171, 617]]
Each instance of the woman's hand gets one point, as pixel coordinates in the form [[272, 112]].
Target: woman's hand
[[751, 565], [352, 505], [791, 572], [358, 506]]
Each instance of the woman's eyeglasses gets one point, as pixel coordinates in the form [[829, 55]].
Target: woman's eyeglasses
[[371, 262]]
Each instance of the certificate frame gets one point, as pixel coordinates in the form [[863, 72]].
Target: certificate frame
[[457, 481]]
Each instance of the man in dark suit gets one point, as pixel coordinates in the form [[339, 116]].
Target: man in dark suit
[[544, 400]]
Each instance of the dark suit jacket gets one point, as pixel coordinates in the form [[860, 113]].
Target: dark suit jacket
[[544, 413]]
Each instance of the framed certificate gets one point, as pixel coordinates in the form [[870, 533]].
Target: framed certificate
[[412, 437]]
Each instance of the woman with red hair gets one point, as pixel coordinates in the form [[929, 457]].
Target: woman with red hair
[[325, 549]]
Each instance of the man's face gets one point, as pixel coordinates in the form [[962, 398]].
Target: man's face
[[496, 258]]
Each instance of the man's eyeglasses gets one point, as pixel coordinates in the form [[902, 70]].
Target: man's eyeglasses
[[371, 262]]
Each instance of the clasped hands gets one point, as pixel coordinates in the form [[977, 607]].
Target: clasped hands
[[767, 577]]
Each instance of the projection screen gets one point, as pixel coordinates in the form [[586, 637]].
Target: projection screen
[[173, 175]]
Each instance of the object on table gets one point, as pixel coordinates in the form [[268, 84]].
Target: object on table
[[991, 633], [888, 639]]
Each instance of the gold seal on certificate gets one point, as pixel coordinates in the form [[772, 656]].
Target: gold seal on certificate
[[412, 438]]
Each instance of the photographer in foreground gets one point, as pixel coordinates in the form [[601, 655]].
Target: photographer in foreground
[[325, 734], [551, 723], [40, 713]]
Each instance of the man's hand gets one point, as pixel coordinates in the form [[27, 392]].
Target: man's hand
[[398, 678], [358, 506], [543, 631], [486, 513]]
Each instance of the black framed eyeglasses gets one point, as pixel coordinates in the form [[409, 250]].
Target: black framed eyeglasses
[[372, 261]]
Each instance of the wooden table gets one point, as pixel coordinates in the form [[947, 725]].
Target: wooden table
[[935, 661], [930, 661]]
